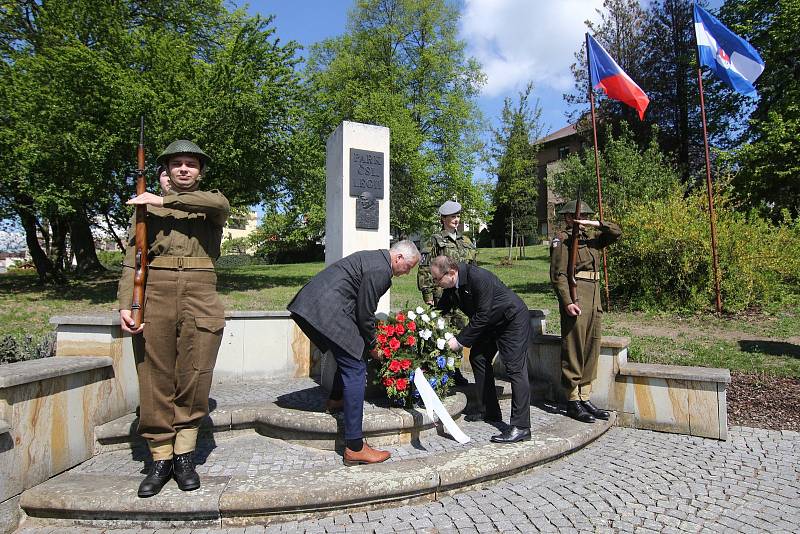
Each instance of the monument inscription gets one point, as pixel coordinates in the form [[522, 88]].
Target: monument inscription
[[366, 172]]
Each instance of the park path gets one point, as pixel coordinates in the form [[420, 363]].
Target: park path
[[626, 481]]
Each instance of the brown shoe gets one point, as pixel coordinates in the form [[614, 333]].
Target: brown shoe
[[334, 406], [367, 455]]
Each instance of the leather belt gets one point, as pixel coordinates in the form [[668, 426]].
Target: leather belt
[[588, 275], [181, 262]]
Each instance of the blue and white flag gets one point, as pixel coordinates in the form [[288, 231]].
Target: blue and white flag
[[728, 55]]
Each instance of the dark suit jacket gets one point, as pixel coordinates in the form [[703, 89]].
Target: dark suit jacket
[[340, 301], [488, 303]]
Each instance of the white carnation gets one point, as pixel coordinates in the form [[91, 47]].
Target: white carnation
[[419, 310], [433, 315], [425, 318], [440, 344], [440, 323], [426, 334], [411, 315], [448, 335], [451, 362]]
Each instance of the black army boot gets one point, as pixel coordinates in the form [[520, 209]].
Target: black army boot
[[595, 411], [160, 472], [185, 475], [576, 410]]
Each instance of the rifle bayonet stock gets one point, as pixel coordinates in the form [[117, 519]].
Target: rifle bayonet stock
[[140, 272]]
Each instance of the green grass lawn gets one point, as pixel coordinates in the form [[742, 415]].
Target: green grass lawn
[[755, 342]]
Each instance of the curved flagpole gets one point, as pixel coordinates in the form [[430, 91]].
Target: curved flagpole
[[597, 169]]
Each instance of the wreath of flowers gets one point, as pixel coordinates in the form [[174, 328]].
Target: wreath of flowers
[[411, 340]]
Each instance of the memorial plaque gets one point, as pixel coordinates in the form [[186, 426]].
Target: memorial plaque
[[366, 172], [366, 211]]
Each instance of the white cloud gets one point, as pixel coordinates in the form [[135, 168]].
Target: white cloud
[[521, 40]]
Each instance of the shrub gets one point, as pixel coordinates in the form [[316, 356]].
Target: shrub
[[17, 349], [664, 257], [111, 259], [239, 260]]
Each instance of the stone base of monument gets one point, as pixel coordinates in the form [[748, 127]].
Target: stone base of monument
[[252, 475]]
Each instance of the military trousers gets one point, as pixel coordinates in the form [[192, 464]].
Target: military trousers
[[184, 320], [580, 342]]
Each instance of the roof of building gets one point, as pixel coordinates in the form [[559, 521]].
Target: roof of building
[[566, 131]]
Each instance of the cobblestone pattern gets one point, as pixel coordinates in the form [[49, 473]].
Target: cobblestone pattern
[[626, 481], [252, 454]]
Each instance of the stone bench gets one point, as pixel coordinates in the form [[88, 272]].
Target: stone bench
[[48, 409]]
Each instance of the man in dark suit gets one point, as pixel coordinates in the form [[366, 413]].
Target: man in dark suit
[[498, 319], [336, 310]]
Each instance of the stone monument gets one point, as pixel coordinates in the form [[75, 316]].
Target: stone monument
[[357, 192]]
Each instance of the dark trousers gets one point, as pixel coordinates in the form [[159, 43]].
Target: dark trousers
[[349, 382], [512, 342]]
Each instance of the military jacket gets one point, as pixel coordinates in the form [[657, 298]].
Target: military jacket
[[189, 225], [442, 244], [590, 257]]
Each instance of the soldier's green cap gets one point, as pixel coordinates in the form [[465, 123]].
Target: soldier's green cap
[[451, 207], [182, 146], [569, 207]]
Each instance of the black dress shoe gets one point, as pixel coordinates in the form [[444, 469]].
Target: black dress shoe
[[513, 435], [185, 475], [159, 474], [576, 410], [595, 411], [460, 379]]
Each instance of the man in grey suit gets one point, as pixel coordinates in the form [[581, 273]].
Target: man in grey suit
[[336, 310], [498, 319]]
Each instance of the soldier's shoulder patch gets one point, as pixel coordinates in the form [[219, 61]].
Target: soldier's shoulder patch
[[555, 242], [425, 256]]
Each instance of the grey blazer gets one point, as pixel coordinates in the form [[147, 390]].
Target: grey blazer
[[340, 301]]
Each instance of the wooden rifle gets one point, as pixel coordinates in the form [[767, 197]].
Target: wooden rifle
[[573, 251], [140, 265]]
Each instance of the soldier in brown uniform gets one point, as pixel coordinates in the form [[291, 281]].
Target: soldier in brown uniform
[[183, 315], [580, 322], [447, 242]]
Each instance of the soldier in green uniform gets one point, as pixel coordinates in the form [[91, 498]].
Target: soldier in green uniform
[[446, 242], [580, 321], [178, 340]]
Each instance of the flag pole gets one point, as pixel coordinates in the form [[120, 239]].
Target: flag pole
[[597, 169], [711, 214]]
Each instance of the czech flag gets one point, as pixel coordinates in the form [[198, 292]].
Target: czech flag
[[605, 73], [730, 57]]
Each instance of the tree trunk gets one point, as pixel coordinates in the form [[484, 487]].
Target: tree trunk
[[83, 246], [59, 243], [511, 241], [44, 267]]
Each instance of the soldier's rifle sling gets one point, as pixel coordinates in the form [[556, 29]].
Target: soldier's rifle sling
[[573, 251]]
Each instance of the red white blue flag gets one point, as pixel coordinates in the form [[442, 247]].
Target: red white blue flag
[[605, 73], [730, 57]]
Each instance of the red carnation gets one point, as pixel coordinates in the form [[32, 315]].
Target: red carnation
[[399, 329], [411, 341], [389, 330], [402, 384], [412, 326], [388, 381], [400, 318], [394, 344], [387, 352], [405, 364], [381, 338], [395, 367]]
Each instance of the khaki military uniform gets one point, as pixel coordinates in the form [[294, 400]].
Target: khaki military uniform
[[581, 335], [183, 316]]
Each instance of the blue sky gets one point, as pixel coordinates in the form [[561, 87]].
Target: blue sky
[[515, 41]]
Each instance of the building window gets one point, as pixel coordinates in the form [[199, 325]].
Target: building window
[[563, 151]]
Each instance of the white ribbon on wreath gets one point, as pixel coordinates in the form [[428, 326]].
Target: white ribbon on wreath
[[433, 405]]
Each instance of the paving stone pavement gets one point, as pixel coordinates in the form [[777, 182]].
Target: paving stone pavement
[[626, 481]]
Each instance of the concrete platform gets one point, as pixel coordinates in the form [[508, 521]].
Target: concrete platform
[[252, 478]]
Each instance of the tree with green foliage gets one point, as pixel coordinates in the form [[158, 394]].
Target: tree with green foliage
[[514, 162], [630, 175], [401, 65], [76, 75], [769, 161]]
